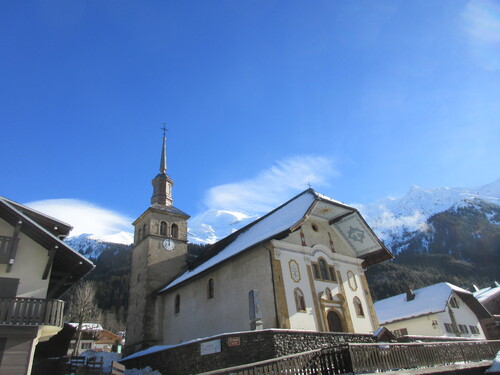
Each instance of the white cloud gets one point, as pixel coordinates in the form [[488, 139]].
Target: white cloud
[[482, 23], [85, 217], [272, 186]]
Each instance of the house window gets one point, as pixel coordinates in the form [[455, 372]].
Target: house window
[[163, 228], [86, 345], [177, 306], [463, 328], [322, 271], [400, 332], [210, 289], [300, 302], [474, 330], [448, 327], [175, 231], [358, 307], [454, 303]]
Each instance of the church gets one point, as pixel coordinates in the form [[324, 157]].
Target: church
[[299, 267]]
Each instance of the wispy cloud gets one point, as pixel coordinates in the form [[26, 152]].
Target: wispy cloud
[[482, 23], [85, 217], [272, 186]]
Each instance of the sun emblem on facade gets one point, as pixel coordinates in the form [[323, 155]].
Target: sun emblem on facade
[[356, 234]]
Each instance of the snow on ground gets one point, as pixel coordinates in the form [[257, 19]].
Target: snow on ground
[[495, 366], [108, 358]]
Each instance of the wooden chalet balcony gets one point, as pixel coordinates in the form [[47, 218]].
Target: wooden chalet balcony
[[31, 312]]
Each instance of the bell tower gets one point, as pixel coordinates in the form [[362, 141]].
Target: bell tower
[[159, 255]]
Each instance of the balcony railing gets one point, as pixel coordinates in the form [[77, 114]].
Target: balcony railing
[[31, 312]]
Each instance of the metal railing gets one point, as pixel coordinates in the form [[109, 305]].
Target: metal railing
[[370, 358], [31, 312]]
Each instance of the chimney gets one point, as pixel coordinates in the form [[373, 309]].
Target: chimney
[[410, 296]]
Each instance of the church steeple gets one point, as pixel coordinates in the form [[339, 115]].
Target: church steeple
[[163, 161], [162, 183]]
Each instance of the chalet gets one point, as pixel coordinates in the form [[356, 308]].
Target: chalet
[[441, 309], [490, 298], [96, 338], [299, 267], [36, 268]]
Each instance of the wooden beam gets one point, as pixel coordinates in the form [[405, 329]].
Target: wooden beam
[[13, 246], [52, 254], [338, 218], [63, 280]]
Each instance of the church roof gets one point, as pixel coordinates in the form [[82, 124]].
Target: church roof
[[429, 300], [286, 219]]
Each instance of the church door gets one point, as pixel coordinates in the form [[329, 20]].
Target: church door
[[334, 322]]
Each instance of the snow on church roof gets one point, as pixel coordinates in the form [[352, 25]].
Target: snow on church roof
[[289, 217], [275, 222], [428, 300]]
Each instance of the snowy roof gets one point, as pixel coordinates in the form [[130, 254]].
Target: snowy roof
[[484, 294], [88, 326], [429, 300], [285, 219]]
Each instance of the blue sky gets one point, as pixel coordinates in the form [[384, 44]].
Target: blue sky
[[362, 99]]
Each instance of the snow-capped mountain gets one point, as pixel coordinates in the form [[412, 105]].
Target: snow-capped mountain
[[91, 245], [392, 218], [395, 220], [212, 225]]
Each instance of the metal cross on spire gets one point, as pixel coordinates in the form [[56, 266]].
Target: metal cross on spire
[[165, 130]]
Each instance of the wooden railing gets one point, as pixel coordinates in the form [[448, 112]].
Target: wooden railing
[[31, 312], [370, 358], [381, 357]]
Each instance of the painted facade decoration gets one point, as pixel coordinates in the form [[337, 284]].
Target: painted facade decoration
[[441, 309]]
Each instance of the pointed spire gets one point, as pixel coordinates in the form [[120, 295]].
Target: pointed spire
[[163, 161], [162, 183]]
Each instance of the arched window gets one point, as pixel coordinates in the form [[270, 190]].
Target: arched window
[[144, 230], [300, 302], [323, 269], [358, 307], [210, 289], [177, 307], [163, 228], [139, 234], [175, 231]]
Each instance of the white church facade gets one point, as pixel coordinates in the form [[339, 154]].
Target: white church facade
[[299, 267]]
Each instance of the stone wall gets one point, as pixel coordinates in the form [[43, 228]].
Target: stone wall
[[237, 349]]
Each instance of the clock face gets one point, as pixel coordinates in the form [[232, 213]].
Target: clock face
[[168, 244]]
